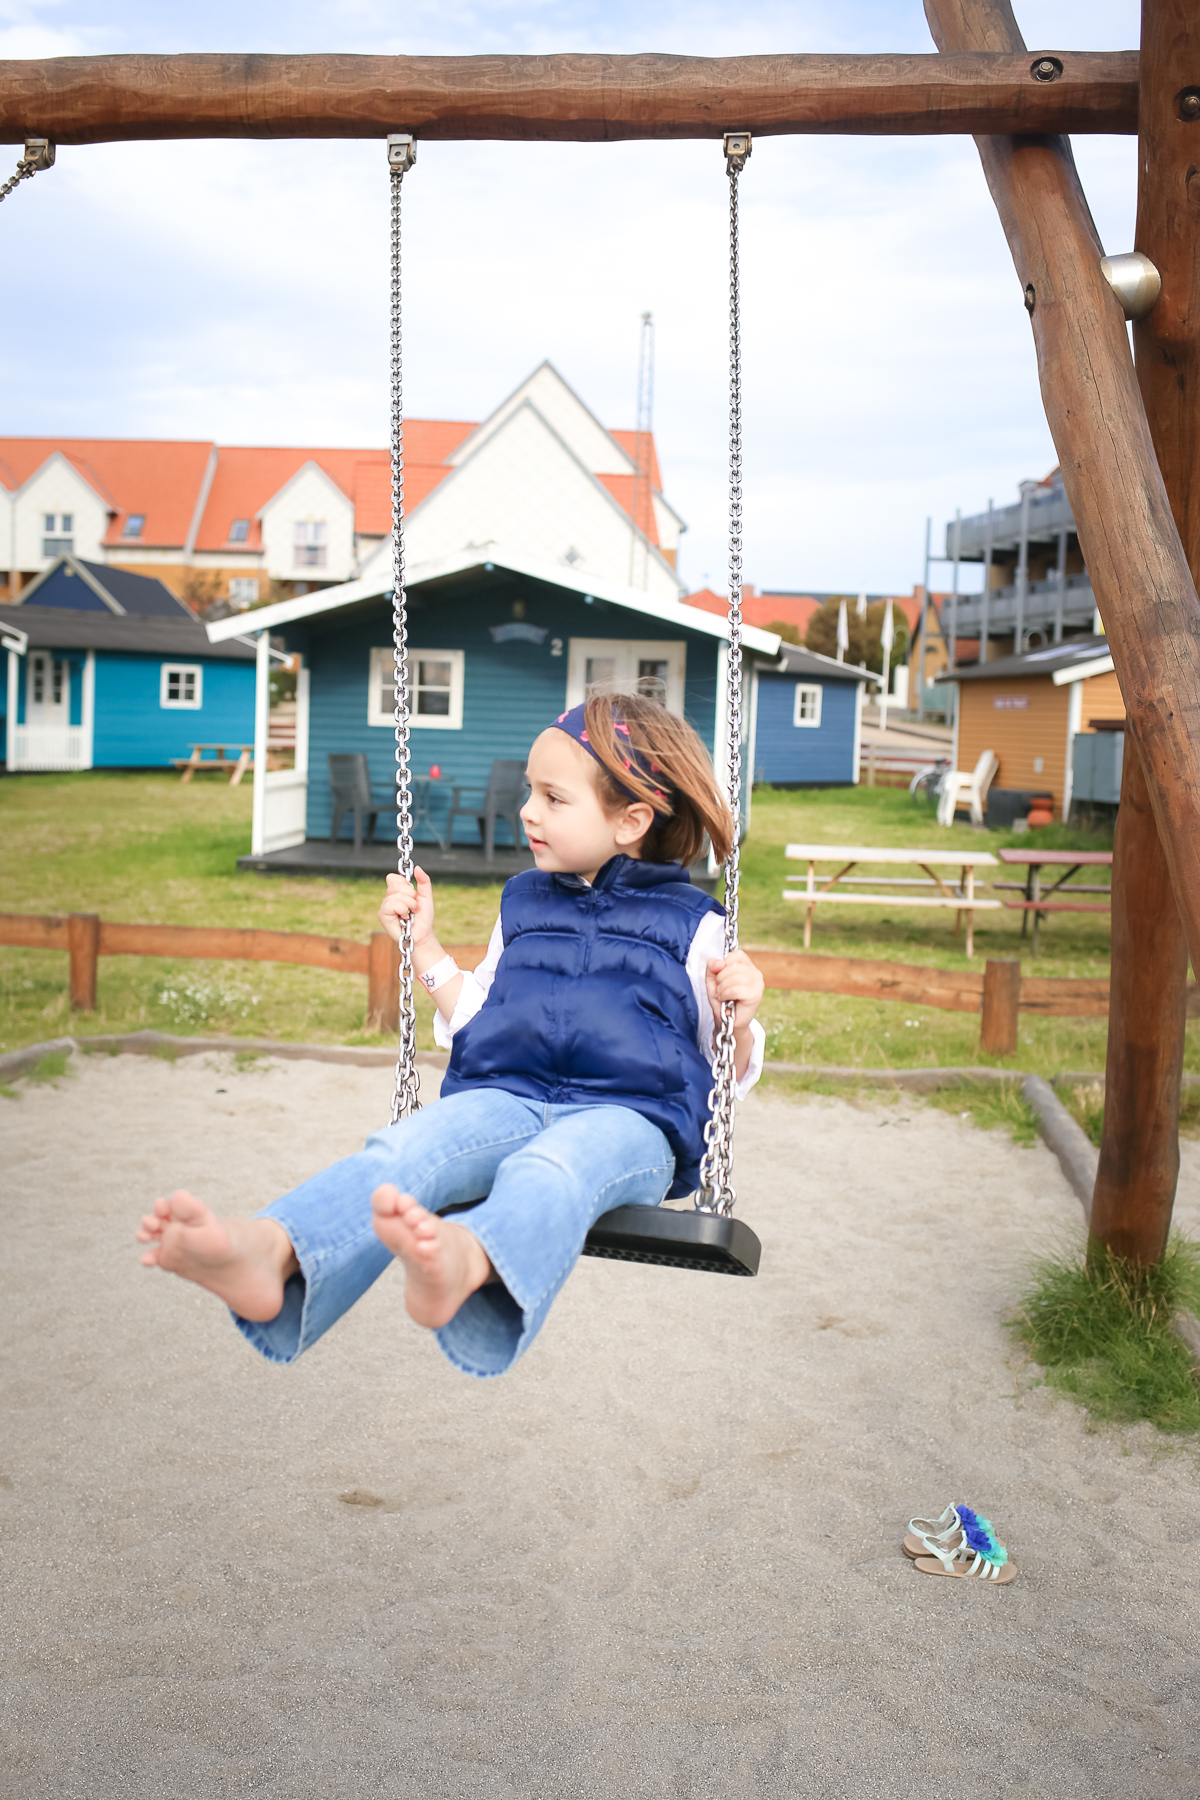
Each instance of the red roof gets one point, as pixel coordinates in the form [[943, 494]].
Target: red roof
[[628, 441], [163, 480], [766, 609], [160, 479]]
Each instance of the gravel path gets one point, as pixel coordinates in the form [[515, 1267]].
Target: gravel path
[[659, 1559]]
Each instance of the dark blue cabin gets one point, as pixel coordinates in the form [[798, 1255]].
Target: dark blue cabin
[[808, 721]]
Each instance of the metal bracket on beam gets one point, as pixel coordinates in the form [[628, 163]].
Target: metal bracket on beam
[[401, 150], [737, 151], [1135, 281], [39, 154]]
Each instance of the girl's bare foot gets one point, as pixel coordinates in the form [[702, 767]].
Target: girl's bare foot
[[443, 1263], [245, 1262]]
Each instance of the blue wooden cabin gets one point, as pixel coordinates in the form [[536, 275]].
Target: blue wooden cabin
[[497, 650], [107, 669], [808, 721]]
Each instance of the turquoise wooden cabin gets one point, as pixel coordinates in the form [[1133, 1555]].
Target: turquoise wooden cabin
[[108, 670], [497, 649]]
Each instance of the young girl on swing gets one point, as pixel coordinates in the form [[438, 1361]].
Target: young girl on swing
[[579, 1075]]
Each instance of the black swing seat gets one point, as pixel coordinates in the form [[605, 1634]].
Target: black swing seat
[[681, 1240]]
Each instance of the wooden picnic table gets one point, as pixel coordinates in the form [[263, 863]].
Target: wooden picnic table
[[960, 895], [1037, 903], [217, 764]]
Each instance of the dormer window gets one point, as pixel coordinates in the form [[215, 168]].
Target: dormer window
[[134, 525], [239, 531], [309, 540]]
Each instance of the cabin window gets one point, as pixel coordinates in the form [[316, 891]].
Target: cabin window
[[182, 685], [435, 690], [135, 524], [239, 531], [806, 708], [310, 541], [243, 590], [625, 666]]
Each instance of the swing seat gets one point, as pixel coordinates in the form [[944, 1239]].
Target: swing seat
[[681, 1240]]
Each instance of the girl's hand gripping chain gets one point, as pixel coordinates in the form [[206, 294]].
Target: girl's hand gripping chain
[[403, 901], [735, 978], [438, 972]]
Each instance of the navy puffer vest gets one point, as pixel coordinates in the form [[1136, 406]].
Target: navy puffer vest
[[591, 1004]]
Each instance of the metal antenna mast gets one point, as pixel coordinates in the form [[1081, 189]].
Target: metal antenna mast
[[644, 438]]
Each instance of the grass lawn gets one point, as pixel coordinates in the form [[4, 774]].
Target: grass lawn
[[146, 848]]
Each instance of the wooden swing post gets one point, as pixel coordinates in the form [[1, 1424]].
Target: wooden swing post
[[1139, 1150]]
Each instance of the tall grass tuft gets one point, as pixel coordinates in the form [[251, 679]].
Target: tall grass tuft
[[1102, 1331]]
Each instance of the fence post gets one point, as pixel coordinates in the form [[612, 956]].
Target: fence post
[[383, 984], [83, 942], [1001, 1006], [870, 765]]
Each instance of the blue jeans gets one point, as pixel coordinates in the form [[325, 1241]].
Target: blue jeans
[[548, 1173]]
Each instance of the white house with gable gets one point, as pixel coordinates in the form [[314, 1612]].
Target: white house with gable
[[542, 477]]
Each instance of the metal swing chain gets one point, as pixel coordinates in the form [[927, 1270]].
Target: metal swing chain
[[402, 154], [716, 1191], [39, 154]]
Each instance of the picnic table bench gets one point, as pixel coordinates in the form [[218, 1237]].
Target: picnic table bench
[[218, 763], [959, 894], [1036, 903]]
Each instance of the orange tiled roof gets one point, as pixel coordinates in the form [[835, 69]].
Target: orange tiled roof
[[158, 478], [163, 480], [628, 443], [247, 477], [621, 489]]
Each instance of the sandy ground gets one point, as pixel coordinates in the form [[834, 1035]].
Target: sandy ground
[[659, 1559]]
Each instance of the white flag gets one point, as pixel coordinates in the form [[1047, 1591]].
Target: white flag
[[861, 608], [843, 632], [887, 636]]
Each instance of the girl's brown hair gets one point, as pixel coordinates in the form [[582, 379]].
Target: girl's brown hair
[[681, 786]]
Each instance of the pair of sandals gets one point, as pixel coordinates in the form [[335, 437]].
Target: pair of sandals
[[959, 1543]]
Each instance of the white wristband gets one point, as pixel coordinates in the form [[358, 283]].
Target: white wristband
[[439, 975]]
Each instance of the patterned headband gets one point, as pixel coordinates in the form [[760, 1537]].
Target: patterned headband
[[573, 723]]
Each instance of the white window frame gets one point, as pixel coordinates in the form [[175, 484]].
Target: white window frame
[[243, 589], [626, 654], [164, 682], [380, 675], [804, 691]]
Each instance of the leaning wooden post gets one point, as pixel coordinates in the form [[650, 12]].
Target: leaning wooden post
[[1134, 555], [1139, 1149], [83, 943], [1001, 1006], [383, 984]]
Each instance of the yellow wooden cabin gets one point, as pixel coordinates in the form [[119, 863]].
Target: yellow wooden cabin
[[1029, 710]]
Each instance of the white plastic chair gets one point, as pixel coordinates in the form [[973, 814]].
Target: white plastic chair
[[957, 786]]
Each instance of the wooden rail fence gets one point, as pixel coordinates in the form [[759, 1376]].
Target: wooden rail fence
[[999, 994]]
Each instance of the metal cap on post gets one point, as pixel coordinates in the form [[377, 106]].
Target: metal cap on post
[[1135, 281]]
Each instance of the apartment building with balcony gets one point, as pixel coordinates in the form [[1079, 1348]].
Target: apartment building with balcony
[[1036, 590]]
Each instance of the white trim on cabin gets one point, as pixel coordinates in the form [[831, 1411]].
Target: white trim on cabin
[[806, 705], [1074, 721], [1099, 665], [381, 681], [374, 587]]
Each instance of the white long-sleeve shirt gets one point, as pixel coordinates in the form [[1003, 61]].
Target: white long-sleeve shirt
[[709, 942]]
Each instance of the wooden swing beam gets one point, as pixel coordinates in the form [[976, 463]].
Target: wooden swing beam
[[1019, 104], [586, 99]]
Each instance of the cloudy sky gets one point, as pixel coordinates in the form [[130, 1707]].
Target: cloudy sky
[[237, 291]]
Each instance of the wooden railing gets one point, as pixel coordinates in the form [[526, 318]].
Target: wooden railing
[[999, 994]]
